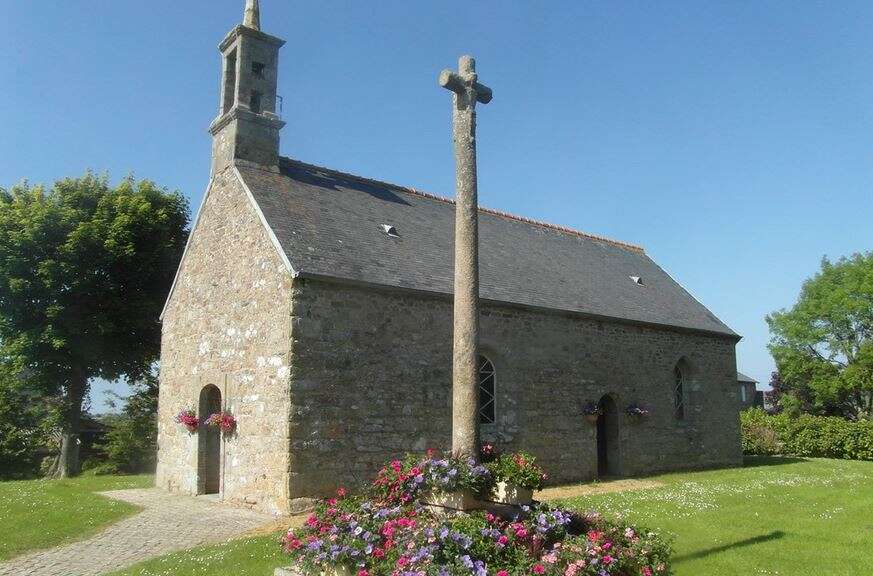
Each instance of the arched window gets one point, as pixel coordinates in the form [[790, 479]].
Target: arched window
[[679, 391], [487, 392]]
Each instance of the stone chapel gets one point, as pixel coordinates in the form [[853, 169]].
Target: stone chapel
[[316, 307]]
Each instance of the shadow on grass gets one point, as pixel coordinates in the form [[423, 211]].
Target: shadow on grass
[[753, 461], [775, 535]]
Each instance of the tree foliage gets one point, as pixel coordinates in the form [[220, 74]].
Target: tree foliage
[[131, 441], [84, 271], [26, 421], [823, 345]]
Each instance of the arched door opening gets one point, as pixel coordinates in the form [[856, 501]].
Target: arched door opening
[[209, 444], [608, 456]]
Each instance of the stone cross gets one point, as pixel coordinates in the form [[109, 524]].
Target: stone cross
[[252, 18], [465, 357]]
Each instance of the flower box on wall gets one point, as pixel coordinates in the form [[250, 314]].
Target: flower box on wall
[[508, 493]]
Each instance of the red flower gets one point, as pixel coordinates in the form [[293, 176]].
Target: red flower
[[538, 569], [341, 492], [594, 535]]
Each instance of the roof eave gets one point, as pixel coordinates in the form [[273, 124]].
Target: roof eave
[[589, 315]]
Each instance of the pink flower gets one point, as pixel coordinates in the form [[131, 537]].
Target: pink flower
[[538, 569], [647, 571], [608, 559], [502, 573], [363, 572], [341, 492]]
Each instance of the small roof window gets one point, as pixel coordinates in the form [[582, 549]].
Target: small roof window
[[390, 230], [638, 280]]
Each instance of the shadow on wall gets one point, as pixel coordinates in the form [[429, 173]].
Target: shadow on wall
[[754, 461], [774, 535]]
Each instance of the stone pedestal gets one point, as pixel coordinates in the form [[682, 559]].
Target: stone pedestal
[[460, 501], [514, 495]]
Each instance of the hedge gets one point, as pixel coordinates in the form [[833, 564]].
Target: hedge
[[813, 436]]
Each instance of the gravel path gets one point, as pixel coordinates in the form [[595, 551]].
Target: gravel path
[[167, 523]]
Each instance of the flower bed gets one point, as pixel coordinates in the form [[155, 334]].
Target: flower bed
[[402, 481], [390, 533]]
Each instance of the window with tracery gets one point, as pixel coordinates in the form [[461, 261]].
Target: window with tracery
[[487, 392], [679, 393]]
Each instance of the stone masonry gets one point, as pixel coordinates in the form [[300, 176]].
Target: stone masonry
[[371, 379], [228, 324]]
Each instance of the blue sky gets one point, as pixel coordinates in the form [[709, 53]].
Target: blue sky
[[732, 140]]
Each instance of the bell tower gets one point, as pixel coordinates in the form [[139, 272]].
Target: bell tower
[[247, 127]]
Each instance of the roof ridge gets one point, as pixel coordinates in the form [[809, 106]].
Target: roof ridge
[[492, 211]]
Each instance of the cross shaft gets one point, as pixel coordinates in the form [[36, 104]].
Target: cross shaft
[[465, 354]]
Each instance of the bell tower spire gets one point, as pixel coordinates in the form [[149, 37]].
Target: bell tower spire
[[252, 17], [247, 127]]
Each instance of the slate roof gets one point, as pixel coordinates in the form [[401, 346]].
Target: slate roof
[[743, 378], [329, 224]]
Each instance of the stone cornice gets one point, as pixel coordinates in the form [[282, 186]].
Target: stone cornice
[[267, 119], [241, 30]]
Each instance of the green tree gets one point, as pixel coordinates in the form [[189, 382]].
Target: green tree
[[132, 438], [84, 270], [25, 423], [823, 345]]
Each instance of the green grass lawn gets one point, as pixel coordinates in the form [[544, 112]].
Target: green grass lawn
[[775, 516], [250, 556], [45, 513]]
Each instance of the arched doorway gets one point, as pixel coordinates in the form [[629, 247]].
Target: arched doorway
[[608, 456], [209, 444]]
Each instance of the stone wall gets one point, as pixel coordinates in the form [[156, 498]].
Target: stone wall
[[228, 324], [372, 375], [750, 389]]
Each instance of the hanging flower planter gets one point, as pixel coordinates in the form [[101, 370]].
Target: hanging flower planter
[[636, 412], [222, 420], [592, 412], [188, 418]]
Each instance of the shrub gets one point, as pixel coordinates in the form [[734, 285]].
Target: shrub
[[759, 436], [806, 435], [519, 469]]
